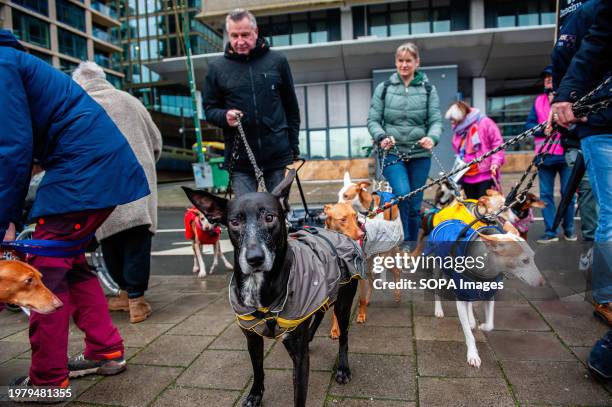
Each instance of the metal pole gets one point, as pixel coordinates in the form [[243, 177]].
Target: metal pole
[[192, 84]]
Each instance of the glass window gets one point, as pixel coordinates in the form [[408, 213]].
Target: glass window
[[317, 109], [67, 67], [30, 29], [441, 20], [510, 114], [40, 6], [337, 105], [102, 59], [338, 143], [528, 13], [360, 137], [155, 25], [72, 44], [510, 13], [41, 55], [70, 14], [398, 23], [419, 21], [144, 50], [295, 29], [154, 46], [142, 27], [303, 136], [300, 33], [378, 25], [318, 144], [115, 80]]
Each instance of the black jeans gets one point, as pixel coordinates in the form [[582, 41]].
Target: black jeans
[[475, 191], [245, 182], [127, 256]]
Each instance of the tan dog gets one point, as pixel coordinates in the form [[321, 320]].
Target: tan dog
[[21, 284], [519, 215], [342, 218], [358, 196]]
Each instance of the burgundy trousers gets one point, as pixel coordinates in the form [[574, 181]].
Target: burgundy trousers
[[71, 279]]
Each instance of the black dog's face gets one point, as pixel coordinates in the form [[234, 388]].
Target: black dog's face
[[256, 227]]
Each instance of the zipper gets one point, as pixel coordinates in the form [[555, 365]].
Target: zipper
[[255, 106]]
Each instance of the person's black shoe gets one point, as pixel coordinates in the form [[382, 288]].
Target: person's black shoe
[[600, 359], [80, 366]]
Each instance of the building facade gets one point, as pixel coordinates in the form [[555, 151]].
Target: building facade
[[65, 32], [334, 47]]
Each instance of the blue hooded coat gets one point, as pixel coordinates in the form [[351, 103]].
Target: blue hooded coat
[[45, 115]]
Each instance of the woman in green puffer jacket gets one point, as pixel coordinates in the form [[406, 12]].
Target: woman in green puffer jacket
[[408, 118]]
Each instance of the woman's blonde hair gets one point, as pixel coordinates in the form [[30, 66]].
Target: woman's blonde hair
[[408, 47]]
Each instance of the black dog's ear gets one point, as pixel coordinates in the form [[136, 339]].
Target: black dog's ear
[[282, 190], [213, 207]]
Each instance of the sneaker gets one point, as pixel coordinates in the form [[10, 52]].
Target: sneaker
[[20, 391], [603, 312], [80, 366], [586, 260], [544, 239], [600, 359], [571, 237]]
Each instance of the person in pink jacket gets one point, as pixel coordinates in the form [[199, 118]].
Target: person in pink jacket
[[475, 135]]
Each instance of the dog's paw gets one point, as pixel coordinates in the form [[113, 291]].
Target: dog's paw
[[252, 400], [472, 324], [473, 359], [334, 333], [397, 297], [438, 311], [485, 327], [195, 270], [202, 274], [361, 319], [343, 375]]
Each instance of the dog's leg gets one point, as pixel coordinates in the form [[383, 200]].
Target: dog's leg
[[472, 353], [226, 262], [256, 352], [343, 313], [471, 318], [201, 265], [334, 332], [438, 311], [196, 266], [489, 311], [363, 302], [296, 344], [216, 250], [314, 325]]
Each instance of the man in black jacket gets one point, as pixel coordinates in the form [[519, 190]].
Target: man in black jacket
[[583, 59], [254, 83]]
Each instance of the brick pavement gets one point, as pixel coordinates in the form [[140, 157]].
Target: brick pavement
[[190, 353]]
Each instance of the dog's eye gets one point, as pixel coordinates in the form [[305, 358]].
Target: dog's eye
[[343, 220], [526, 261], [269, 218], [234, 222], [28, 281]]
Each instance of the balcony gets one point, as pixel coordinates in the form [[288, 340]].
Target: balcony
[[104, 15]]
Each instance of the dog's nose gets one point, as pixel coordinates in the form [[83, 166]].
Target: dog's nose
[[255, 257], [360, 234]]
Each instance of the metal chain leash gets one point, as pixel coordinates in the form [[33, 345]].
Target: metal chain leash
[[258, 172], [579, 106]]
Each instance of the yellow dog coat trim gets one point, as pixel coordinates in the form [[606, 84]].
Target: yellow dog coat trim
[[457, 210]]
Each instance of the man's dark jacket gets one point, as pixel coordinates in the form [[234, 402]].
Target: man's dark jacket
[[261, 86], [582, 59]]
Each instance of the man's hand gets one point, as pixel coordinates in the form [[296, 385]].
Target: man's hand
[[10, 233], [231, 116], [426, 143], [387, 143], [562, 114]]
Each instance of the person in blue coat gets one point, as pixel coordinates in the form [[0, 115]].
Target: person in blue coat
[[90, 169]]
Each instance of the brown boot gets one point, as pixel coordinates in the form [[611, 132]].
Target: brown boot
[[603, 312], [119, 303], [139, 310]]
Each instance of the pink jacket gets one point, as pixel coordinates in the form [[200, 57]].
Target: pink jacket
[[542, 108], [490, 138]]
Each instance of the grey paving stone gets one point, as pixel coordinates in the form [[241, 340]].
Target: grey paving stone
[[233, 339], [582, 330], [394, 316], [545, 382], [379, 376], [582, 352], [386, 298], [511, 345], [463, 392], [323, 355], [9, 350], [188, 397], [279, 389], [219, 370], [139, 335], [203, 324], [337, 402], [426, 308], [518, 317], [136, 386], [442, 329], [13, 368], [177, 311], [12, 322], [380, 340], [448, 359], [573, 308], [538, 293], [172, 350], [325, 327]]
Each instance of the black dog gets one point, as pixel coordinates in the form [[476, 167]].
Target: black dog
[[262, 268]]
